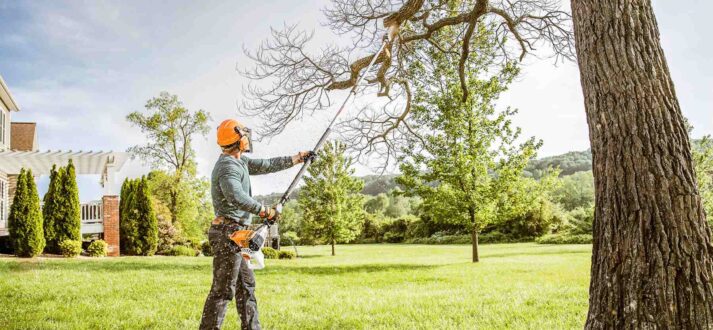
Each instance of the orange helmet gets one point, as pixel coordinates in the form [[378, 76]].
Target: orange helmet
[[232, 132]]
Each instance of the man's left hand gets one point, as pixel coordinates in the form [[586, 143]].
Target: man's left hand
[[303, 156]]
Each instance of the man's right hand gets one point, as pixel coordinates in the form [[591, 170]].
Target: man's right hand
[[269, 214]]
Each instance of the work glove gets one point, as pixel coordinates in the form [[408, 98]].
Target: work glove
[[303, 156], [306, 155], [269, 214]]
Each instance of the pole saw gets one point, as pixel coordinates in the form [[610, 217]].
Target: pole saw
[[251, 241], [391, 33]]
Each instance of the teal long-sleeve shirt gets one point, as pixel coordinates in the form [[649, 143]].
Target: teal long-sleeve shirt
[[230, 184]]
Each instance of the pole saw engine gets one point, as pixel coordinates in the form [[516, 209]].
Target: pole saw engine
[[250, 243]]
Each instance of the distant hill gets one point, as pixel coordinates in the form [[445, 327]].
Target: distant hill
[[373, 185], [568, 163]]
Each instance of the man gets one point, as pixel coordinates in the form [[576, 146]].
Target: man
[[233, 204]]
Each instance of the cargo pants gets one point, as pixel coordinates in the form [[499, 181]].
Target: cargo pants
[[231, 279]]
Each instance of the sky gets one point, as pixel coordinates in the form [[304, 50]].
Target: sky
[[77, 68]]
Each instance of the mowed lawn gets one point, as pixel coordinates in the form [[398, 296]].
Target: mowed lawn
[[515, 286]]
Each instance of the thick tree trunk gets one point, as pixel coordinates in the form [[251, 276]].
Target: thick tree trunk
[[651, 262], [333, 243], [474, 236]]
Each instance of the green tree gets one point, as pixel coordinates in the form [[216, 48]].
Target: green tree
[[193, 205], [466, 147], [576, 190], [330, 200], [377, 204], [68, 221], [525, 210], [703, 161], [51, 209], [25, 219], [170, 128]]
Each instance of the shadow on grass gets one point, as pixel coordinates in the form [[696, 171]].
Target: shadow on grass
[[181, 266], [149, 264], [530, 253], [345, 269]]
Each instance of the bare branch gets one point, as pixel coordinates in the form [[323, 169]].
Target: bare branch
[[289, 81]]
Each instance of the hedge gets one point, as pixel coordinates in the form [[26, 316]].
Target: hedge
[[564, 239]]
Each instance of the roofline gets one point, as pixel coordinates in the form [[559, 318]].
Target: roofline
[[6, 97]]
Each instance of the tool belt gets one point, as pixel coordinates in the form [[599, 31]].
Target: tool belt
[[221, 220]]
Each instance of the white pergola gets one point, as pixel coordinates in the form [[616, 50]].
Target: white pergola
[[101, 163]]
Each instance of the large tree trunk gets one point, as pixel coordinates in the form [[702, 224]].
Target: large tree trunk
[[651, 262], [333, 243]]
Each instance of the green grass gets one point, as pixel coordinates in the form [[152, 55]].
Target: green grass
[[515, 286]]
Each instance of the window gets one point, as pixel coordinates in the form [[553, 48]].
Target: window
[[4, 203]]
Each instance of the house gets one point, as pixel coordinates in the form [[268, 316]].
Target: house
[[19, 149]]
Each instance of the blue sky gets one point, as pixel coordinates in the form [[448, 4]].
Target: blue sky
[[78, 67]]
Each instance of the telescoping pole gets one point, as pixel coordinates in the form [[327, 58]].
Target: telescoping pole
[[286, 196]]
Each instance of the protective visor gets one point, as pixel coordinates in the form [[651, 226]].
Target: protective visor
[[245, 132]]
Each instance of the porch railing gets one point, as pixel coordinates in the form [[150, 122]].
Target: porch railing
[[91, 214]]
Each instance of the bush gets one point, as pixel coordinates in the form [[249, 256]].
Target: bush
[[207, 249], [97, 248], [182, 251], [395, 231], [498, 237], [270, 253], [70, 248], [565, 239], [284, 254], [441, 239]]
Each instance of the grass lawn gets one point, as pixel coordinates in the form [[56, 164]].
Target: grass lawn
[[515, 286]]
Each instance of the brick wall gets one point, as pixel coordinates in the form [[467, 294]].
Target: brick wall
[[111, 224]]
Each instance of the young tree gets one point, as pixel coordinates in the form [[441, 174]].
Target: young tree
[[467, 156], [51, 209], [652, 264], [330, 201], [170, 129], [68, 220], [25, 219]]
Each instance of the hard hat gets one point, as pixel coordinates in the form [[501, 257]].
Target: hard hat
[[231, 132]]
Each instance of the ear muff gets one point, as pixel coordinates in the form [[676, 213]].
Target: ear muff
[[245, 141]]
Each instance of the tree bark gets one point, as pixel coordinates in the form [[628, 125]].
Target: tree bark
[[474, 235], [651, 262], [333, 243]]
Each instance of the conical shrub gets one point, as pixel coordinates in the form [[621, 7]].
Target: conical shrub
[[147, 226], [50, 209], [25, 220]]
